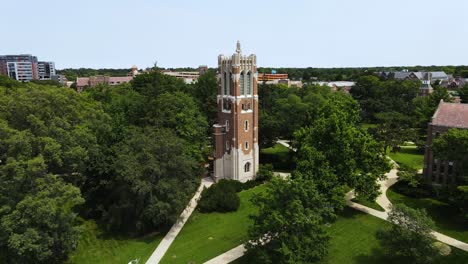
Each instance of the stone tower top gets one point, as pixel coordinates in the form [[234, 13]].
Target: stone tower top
[[238, 49]]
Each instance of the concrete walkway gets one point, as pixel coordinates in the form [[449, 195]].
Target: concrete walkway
[[164, 245], [228, 256], [286, 144], [385, 203], [382, 200]]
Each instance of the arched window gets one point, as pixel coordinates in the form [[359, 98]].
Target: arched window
[[247, 167], [227, 145], [249, 84], [225, 84], [246, 125], [242, 83], [246, 145], [227, 125]]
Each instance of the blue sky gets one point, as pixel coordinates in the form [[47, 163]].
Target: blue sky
[[288, 33]]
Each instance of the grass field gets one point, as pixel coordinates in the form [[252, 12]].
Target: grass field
[[205, 236], [373, 205], [353, 241], [279, 156], [446, 218], [95, 246], [409, 156]]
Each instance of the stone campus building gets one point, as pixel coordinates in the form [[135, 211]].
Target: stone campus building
[[236, 134], [447, 115]]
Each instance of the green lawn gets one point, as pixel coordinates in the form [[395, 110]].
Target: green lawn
[[373, 205], [95, 246], [446, 217], [353, 241], [409, 156], [279, 156], [205, 236]]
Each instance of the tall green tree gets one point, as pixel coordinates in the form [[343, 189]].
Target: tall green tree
[[335, 152], [289, 225], [42, 228], [155, 176], [392, 129], [410, 238], [205, 92], [453, 146]]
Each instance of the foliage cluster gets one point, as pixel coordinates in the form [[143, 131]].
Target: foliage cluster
[[129, 156]]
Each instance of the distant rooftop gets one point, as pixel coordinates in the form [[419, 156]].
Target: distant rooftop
[[451, 115]]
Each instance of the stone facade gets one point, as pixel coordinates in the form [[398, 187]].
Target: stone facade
[[447, 116], [236, 134]]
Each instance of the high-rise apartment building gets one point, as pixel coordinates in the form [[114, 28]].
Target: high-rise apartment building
[[45, 69], [19, 67]]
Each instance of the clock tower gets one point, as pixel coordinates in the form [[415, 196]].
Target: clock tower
[[236, 133]]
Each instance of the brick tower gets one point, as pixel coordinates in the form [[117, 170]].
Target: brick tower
[[236, 134]]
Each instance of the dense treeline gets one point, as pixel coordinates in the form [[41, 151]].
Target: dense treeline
[[396, 108], [306, 74], [352, 74], [128, 156]]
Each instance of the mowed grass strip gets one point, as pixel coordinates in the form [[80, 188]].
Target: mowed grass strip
[[447, 219], [353, 241], [206, 236], [95, 246], [409, 156]]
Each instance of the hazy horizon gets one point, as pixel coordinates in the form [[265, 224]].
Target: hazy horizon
[[296, 33]]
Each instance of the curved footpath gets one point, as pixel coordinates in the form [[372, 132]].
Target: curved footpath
[[382, 200]]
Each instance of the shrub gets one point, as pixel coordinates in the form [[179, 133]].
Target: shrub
[[265, 173], [220, 197]]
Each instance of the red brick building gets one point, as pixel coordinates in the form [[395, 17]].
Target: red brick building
[[236, 134], [447, 115]]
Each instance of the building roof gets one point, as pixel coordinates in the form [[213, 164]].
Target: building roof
[[451, 115], [82, 81], [401, 75], [120, 79], [439, 75]]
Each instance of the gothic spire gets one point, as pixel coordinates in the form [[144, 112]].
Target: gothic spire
[[238, 49]]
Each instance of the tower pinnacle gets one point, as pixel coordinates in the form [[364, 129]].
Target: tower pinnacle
[[238, 49]]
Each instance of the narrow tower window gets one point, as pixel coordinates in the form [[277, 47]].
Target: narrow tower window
[[247, 167], [225, 84], [249, 84], [230, 83], [242, 83], [246, 145], [246, 125]]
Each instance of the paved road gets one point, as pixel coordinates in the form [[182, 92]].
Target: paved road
[[164, 245]]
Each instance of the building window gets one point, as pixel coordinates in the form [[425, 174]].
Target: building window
[[246, 145], [227, 145], [247, 167], [227, 125], [229, 81], [249, 84], [246, 125], [225, 84], [242, 83]]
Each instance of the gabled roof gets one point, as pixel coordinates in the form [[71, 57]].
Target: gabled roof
[[82, 81], [451, 115], [439, 75]]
